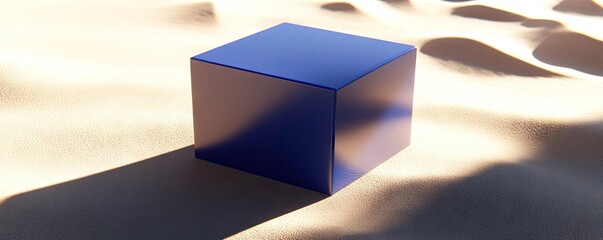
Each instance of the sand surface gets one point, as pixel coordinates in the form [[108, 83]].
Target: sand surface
[[96, 123]]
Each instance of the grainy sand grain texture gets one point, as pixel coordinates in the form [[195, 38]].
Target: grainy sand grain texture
[[96, 123]]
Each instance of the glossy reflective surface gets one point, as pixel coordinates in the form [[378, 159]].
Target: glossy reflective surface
[[263, 125], [309, 107], [373, 119], [306, 55]]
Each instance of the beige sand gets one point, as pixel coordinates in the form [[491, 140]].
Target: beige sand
[[96, 123]]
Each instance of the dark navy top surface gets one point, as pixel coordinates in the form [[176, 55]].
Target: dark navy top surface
[[307, 55]]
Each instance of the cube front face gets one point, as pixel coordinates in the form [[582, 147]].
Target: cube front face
[[264, 125]]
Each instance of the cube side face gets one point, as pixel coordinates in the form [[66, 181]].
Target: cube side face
[[373, 119], [263, 125]]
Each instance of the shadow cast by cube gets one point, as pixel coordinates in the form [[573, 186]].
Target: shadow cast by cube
[[171, 196]]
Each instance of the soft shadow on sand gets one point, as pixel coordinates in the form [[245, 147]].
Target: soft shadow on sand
[[507, 201], [541, 23], [196, 13], [554, 194], [492, 14], [171, 196], [396, 2], [487, 13], [476, 54], [586, 7], [339, 7], [572, 50]]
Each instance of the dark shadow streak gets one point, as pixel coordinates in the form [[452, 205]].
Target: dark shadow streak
[[492, 14], [572, 50], [505, 201], [397, 2], [487, 13], [171, 196], [541, 23], [586, 7], [339, 7], [479, 55]]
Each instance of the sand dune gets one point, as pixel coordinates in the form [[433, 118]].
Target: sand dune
[[396, 2], [586, 7], [196, 13], [475, 54], [96, 123], [537, 23], [572, 50], [487, 13], [340, 6]]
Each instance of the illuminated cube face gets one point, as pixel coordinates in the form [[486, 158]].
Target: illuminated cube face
[[309, 107]]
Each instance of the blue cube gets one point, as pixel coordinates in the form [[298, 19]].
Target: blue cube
[[309, 107]]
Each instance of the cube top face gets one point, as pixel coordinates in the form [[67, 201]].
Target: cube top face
[[306, 55]]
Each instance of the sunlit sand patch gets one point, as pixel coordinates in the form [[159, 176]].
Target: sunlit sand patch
[[445, 150], [64, 84], [538, 98]]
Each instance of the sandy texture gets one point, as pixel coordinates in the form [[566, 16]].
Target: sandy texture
[[96, 123]]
